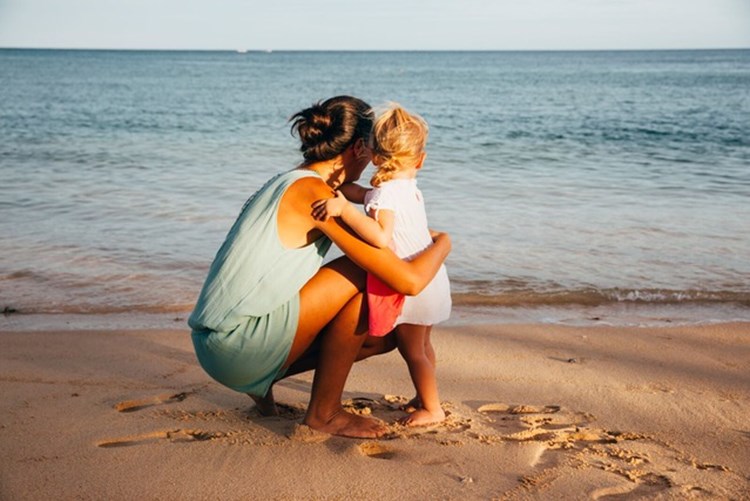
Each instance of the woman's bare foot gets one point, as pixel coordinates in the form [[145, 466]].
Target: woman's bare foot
[[344, 424], [423, 417], [266, 405]]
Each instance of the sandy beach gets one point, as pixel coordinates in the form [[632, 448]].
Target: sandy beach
[[535, 412]]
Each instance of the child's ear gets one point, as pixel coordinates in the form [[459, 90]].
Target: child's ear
[[421, 160]]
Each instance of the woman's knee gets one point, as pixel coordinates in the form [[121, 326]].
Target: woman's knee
[[349, 269]]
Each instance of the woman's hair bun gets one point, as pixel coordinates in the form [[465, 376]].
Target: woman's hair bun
[[327, 128], [312, 124]]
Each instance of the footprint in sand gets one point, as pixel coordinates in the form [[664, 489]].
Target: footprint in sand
[[169, 435], [136, 405], [303, 433], [519, 409], [548, 423], [376, 450], [643, 487], [643, 466]]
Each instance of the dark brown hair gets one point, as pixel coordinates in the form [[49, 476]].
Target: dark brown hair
[[329, 127]]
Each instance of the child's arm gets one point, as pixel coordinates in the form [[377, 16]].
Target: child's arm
[[375, 232], [354, 192]]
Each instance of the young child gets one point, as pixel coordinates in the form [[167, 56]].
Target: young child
[[397, 219]]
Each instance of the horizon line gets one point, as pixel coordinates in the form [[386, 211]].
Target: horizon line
[[241, 50]]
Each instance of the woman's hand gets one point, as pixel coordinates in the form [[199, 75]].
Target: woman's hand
[[440, 235], [329, 207]]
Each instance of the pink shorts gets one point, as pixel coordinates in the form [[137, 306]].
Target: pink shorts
[[385, 306]]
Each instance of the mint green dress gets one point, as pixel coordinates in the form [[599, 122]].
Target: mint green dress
[[247, 313]]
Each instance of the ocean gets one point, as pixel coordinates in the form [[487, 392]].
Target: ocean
[[578, 182]]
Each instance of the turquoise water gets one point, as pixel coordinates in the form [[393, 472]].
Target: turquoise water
[[563, 177]]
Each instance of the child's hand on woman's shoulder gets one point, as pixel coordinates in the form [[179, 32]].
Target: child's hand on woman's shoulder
[[329, 207]]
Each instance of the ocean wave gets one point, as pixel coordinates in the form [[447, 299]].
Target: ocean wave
[[505, 299], [599, 297], [97, 309]]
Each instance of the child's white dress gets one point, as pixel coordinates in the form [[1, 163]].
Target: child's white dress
[[411, 236]]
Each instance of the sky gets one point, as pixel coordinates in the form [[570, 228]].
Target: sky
[[376, 24]]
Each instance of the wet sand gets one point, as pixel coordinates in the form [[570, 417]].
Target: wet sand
[[535, 412]]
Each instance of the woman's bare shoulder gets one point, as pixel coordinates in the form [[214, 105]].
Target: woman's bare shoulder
[[300, 195], [310, 187]]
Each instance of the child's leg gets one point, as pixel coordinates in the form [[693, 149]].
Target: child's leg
[[429, 351], [414, 403], [411, 345]]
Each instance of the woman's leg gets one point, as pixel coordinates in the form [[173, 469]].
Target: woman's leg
[[341, 343], [321, 299], [330, 336], [338, 281], [372, 346]]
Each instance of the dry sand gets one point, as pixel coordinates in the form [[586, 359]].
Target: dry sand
[[536, 412]]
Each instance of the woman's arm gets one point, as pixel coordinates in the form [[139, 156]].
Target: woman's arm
[[406, 277]]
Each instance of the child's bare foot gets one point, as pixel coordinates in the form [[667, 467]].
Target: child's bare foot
[[423, 417], [344, 424], [266, 405]]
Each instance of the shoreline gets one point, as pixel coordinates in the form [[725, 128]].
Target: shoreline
[[535, 411], [625, 314]]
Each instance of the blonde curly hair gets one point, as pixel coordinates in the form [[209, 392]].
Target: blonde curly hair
[[398, 142]]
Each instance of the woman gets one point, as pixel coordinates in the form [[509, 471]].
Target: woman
[[268, 309]]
